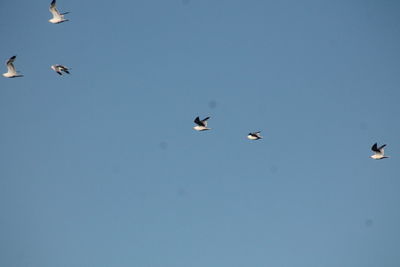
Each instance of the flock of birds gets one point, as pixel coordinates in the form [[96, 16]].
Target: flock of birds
[[60, 69], [201, 125]]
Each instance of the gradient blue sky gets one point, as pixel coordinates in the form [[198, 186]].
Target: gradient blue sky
[[103, 168]]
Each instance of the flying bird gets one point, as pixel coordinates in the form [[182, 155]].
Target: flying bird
[[60, 69], [379, 152], [201, 124], [11, 71], [57, 16], [254, 136]]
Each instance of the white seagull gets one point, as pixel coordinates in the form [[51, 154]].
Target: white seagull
[[11, 72], [201, 124], [60, 69], [379, 152], [254, 136], [57, 16]]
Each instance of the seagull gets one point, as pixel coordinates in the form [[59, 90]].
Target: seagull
[[11, 72], [201, 124], [60, 69], [254, 136], [379, 152], [57, 16]]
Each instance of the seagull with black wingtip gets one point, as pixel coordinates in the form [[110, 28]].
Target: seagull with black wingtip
[[254, 136], [57, 16], [201, 124], [60, 69], [379, 151], [11, 71]]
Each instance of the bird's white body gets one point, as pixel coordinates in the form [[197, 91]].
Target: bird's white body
[[252, 137], [11, 71], [12, 75], [57, 20], [201, 128], [378, 156], [57, 16]]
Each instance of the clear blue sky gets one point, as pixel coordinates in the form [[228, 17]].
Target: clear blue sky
[[102, 168]]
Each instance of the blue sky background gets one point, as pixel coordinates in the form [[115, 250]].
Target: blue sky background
[[103, 168]]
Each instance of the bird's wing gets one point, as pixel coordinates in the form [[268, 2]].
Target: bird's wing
[[375, 148], [204, 121], [381, 149], [11, 59], [64, 69], [10, 65], [53, 10], [255, 135], [198, 121]]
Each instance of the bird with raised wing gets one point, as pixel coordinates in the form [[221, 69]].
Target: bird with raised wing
[[11, 71], [254, 136], [60, 69], [379, 151], [57, 16], [201, 124]]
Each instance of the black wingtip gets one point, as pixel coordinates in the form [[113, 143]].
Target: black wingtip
[[11, 59], [375, 147]]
